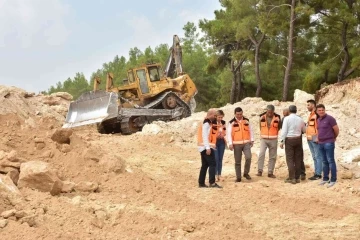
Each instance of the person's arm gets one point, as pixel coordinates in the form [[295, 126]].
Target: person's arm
[[251, 135], [228, 136], [280, 122], [260, 124], [336, 131], [284, 130], [303, 127], [205, 135]]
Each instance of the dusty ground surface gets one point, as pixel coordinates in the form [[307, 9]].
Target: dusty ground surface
[[148, 181]]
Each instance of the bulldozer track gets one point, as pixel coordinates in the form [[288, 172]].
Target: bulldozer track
[[126, 121]]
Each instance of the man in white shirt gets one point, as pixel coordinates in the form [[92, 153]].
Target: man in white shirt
[[292, 129], [240, 140]]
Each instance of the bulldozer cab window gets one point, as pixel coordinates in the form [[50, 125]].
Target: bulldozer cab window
[[154, 74], [131, 76], [141, 74]]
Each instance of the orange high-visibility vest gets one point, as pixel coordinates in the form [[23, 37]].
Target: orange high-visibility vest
[[218, 130], [212, 141], [240, 132], [311, 129], [271, 132]]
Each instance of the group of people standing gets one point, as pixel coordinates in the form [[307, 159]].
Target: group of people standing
[[321, 131]]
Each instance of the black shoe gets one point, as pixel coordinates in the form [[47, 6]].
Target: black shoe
[[259, 174], [247, 176], [270, 175], [215, 185], [303, 177], [315, 177], [203, 186], [238, 180]]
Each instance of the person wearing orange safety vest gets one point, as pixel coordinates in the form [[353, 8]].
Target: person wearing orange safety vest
[[206, 146], [311, 135], [240, 140], [218, 132], [270, 124]]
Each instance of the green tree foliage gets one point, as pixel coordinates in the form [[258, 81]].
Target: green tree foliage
[[253, 48]]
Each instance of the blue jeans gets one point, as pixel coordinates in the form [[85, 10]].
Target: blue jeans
[[329, 165], [219, 154], [315, 153]]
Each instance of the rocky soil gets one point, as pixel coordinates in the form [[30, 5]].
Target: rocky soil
[[79, 184]]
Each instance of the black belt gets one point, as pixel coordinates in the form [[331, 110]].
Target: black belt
[[293, 137]]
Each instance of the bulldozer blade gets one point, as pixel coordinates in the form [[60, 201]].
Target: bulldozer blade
[[92, 107]]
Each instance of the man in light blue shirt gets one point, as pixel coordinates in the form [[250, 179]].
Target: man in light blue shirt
[[292, 129]]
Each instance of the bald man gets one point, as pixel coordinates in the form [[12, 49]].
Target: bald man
[[206, 146]]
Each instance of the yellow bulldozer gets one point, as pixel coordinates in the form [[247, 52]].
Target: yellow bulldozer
[[148, 94]]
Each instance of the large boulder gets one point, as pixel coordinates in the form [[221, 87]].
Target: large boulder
[[38, 175], [9, 191], [301, 97]]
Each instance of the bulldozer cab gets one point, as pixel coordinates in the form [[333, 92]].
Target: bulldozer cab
[[144, 77]]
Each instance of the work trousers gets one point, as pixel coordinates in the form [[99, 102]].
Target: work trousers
[[271, 144], [294, 156], [239, 149], [207, 161]]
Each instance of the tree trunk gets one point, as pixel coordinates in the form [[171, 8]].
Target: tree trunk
[[257, 45], [233, 84], [233, 89], [346, 61], [239, 86], [290, 52]]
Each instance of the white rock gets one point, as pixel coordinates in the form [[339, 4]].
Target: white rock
[[301, 97], [352, 131], [3, 223], [350, 156], [151, 129], [9, 191]]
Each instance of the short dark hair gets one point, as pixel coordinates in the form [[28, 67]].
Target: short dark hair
[[292, 109], [311, 101], [238, 109], [220, 113], [320, 106]]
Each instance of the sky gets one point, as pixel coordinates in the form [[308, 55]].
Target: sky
[[43, 42]]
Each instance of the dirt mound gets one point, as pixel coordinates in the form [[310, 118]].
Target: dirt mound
[[144, 186], [345, 91]]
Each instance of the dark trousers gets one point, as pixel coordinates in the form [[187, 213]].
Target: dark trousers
[[207, 161], [294, 157], [303, 171]]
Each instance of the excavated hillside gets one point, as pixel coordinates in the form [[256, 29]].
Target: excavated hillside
[[79, 184]]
